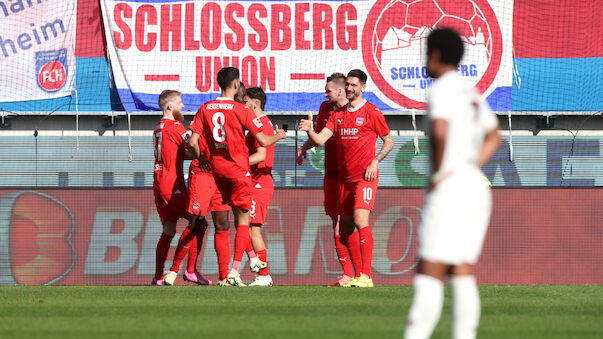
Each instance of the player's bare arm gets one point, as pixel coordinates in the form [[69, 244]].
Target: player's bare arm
[[193, 148], [267, 140], [370, 174], [258, 156], [491, 143], [301, 153], [318, 139], [193, 145]]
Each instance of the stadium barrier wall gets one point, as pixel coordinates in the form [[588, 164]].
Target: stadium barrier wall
[[103, 161], [96, 236]]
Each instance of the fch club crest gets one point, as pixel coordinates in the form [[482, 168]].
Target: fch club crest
[[51, 69]]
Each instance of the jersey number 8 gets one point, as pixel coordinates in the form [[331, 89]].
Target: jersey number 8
[[219, 133]]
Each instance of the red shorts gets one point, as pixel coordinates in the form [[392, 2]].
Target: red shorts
[[263, 188], [357, 195], [331, 190], [236, 192], [204, 195], [171, 208]]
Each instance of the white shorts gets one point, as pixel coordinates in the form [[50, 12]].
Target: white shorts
[[455, 220]]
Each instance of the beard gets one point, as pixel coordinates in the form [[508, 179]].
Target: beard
[[178, 115]]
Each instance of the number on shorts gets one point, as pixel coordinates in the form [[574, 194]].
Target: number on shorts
[[252, 210], [368, 193], [157, 141], [219, 133]]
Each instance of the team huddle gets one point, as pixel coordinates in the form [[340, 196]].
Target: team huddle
[[232, 171], [229, 171]]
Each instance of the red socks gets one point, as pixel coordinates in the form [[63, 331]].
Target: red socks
[[344, 257], [161, 253], [352, 242], [184, 244], [366, 247], [222, 247], [242, 242], [195, 249], [263, 257]]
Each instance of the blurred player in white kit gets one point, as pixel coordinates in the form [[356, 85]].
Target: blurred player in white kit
[[463, 135]]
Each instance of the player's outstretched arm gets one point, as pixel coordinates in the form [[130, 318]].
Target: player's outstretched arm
[[258, 156], [489, 147], [370, 173], [318, 139], [267, 140], [301, 153]]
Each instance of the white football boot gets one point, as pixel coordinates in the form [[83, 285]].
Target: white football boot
[[170, 278], [255, 264], [262, 280], [234, 278]]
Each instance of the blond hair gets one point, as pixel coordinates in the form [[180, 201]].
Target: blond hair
[[338, 79], [166, 96]]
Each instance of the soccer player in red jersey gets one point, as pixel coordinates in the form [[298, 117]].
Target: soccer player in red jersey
[[203, 197], [170, 140], [355, 129], [224, 123], [335, 93], [260, 160]]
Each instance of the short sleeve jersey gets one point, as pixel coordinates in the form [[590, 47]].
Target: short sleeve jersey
[[263, 167], [355, 131], [468, 117], [197, 127], [224, 125], [170, 139], [324, 112]]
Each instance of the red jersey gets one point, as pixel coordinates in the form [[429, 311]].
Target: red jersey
[[224, 125], [197, 127], [324, 112], [263, 167], [170, 139], [355, 132]]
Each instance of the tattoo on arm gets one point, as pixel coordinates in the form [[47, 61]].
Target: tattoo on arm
[[388, 144], [381, 155]]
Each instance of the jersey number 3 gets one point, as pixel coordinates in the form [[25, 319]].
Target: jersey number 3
[[218, 121]]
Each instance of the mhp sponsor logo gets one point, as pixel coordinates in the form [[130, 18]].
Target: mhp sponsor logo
[[51, 69]]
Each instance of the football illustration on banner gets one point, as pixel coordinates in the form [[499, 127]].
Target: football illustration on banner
[[394, 43]]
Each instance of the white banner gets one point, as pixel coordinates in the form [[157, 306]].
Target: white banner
[[290, 47], [37, 59]]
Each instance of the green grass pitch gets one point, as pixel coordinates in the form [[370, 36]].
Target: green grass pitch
[[284, 312]]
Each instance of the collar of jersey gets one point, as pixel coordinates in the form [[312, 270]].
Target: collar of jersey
[[223, 98], [357, 108]]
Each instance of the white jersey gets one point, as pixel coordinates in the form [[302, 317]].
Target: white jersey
[[469, 120]]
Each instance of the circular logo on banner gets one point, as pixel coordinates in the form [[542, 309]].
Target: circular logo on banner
[[52, 76], [394, 45]]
